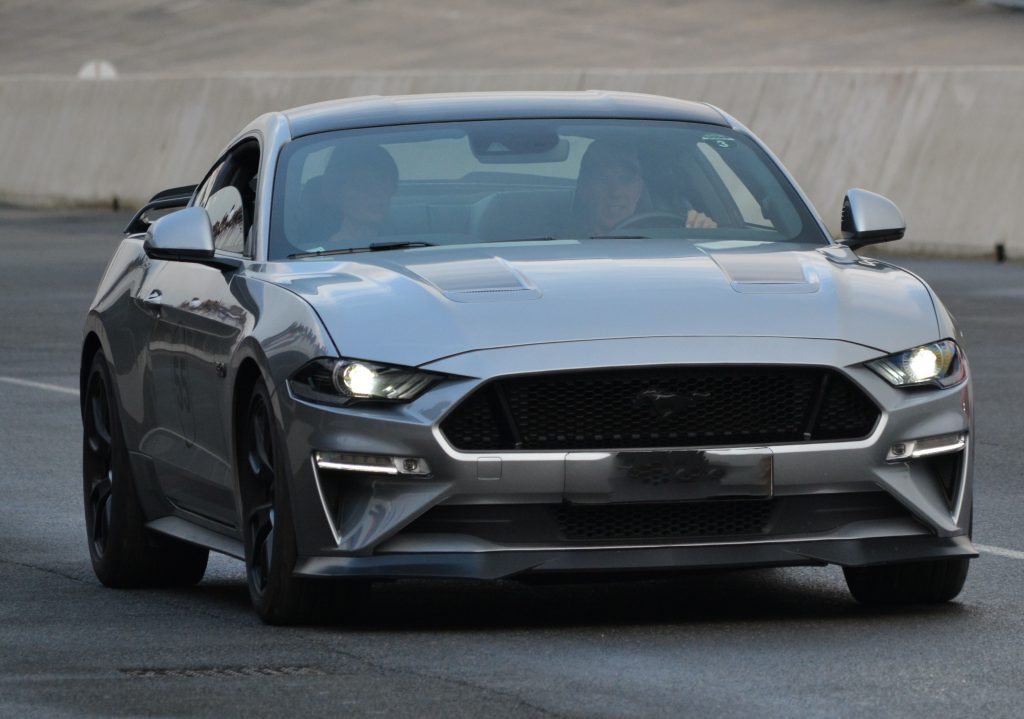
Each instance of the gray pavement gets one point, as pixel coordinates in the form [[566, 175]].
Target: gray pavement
[[778, 643], [330, 36]]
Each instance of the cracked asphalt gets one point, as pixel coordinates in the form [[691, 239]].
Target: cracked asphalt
[[767, 643]]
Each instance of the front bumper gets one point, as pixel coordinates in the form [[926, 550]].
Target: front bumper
[[364, 524]]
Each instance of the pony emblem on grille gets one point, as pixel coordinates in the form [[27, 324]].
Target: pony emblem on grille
[[668, 404]]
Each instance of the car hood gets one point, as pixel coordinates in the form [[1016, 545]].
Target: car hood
[[414, 306]]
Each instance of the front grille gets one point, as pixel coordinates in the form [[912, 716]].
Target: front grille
[[665, 521], [661, 407], [565, 523]]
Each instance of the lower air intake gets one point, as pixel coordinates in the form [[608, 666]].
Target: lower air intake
[[668, 521]]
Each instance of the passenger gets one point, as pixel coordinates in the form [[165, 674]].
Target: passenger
[[362, 181], [610, 190]]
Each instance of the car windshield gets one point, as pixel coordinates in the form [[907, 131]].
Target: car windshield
[[461, 183]]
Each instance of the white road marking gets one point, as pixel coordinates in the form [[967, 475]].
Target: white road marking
[[999, 551], [985, 548], [39, 385]]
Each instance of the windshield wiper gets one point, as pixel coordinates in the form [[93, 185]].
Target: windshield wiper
[[529, 239], [378, 246], [372, 247], [552, 238]]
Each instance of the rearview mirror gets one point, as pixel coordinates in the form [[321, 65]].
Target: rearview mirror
[[869, 218], [496, 144], [185, 236]]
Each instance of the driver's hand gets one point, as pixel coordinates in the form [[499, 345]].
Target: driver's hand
[[699, 219]]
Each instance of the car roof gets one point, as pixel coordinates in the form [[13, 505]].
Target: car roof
[[377, 110]]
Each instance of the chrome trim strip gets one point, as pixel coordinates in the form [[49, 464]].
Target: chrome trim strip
[[559, 455], [946, 449], [965, 463], [323, 503]]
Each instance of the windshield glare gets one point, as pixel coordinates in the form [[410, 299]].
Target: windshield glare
[[503, 180]]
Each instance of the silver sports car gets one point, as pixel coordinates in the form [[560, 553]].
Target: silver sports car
[[509, 334]]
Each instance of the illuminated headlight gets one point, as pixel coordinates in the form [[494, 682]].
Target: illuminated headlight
[[342, 381], [938, 363]]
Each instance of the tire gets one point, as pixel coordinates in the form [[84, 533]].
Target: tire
[[123, 552], [930, 582], [277, 596]]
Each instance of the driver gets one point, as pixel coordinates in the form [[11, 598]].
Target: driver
[[364, 179], [609, 190]]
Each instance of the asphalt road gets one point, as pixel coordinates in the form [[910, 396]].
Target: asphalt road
[[775, 643]]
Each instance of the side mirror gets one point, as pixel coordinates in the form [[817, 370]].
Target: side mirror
[[869, 218], [185, 236]]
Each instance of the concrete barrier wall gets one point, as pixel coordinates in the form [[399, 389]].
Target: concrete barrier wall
[[946, 144]]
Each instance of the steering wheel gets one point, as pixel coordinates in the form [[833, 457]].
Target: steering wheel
[[644, 219]]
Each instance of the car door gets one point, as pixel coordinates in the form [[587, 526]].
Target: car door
[[199, 324]]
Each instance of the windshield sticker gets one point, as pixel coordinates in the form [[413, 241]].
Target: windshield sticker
[[721, 141]]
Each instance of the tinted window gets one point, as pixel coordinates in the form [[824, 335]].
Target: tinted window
[[229, 196], [227, 220], [471, 182], [204, 191]]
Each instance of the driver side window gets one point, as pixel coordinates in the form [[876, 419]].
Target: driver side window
[[229, 197], [227, 220]]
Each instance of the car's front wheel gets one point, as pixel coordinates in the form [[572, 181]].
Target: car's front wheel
[[929, 582], [269, 530], [123, 552]]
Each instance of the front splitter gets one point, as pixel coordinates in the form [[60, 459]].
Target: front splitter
[[509, 563]]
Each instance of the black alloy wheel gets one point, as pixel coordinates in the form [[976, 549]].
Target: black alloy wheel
[[269, 531], [98, 464], [260, 520], [123, 552]]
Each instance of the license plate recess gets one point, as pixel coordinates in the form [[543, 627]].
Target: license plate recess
[[668, 475]]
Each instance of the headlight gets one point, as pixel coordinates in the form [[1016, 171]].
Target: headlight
[[340, 382], [938, 363]]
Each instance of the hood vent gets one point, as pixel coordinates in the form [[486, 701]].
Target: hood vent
[[765, 273], [474, 276]]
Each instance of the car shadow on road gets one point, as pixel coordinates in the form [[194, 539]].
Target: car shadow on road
[[696, 597], [699, 597]]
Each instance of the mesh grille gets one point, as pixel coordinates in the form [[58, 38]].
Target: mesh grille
[[664, 521], [476, 424], [845, 413], [663, 407], [567, 523]]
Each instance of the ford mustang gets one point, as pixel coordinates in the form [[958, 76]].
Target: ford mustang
[[515, 334]]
